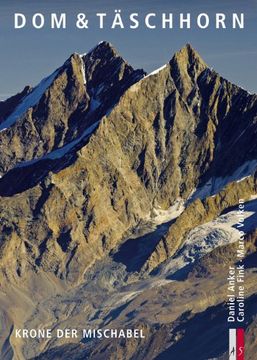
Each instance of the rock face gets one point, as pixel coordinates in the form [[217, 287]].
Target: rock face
[[97, 149], [197, 213], [7, 106], [63, 105]]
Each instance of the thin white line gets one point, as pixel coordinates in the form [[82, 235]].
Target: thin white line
[[232, 344]]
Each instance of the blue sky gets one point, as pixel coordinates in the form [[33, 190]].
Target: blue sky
[[27, 55]]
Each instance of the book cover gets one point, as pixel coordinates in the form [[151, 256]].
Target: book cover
[[128, 183]]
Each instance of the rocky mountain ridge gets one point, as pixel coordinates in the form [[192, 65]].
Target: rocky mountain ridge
[[98, 152], [169, 130], [64, 105]]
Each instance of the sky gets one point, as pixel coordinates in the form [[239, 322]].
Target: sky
[[28, 54]]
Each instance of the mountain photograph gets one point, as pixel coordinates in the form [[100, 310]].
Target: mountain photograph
[[121, 199], [128, 180]]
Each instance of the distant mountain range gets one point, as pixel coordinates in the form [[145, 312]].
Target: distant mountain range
[[118, 198]]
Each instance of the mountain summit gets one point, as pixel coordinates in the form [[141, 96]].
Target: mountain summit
[[63, 106]]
